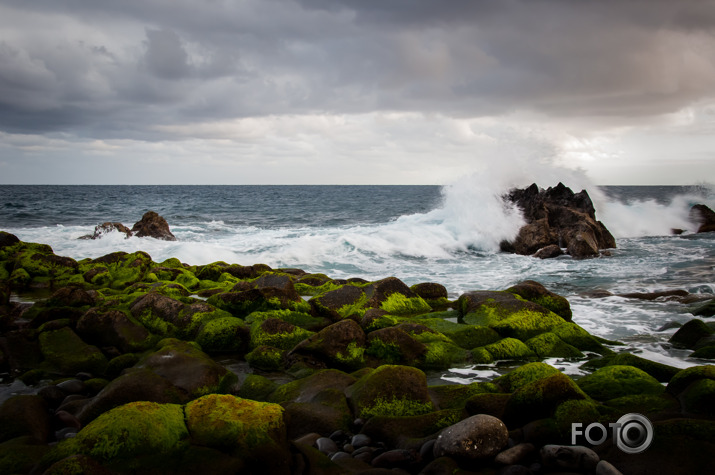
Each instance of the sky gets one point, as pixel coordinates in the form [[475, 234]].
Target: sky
[[356, 91]]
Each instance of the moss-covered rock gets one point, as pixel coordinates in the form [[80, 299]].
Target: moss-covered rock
[[277, 333], [242, 303], [659, 371], [393, 345], [115, 328], [299, 319], [139, 384], [524, 375], [257, 387], [66, 353], [539, 399], [124, 435], [25, 415], [549, 345], [687, 376], [616, 381], [266, 358], [699, 398], [454, 396], [188, 368], [433, 293], [20, 456], [584, 411], [538, 294], [579, 338], [390, 390], [340, 303], [339, 345], [689, 334], [506, 349], [223, 334], [305, 389], [117, 270], [251, 430]]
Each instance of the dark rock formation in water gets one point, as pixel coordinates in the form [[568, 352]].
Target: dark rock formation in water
[[151, 225], [558, 216], [704, 217]]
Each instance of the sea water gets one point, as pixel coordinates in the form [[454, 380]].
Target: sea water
[[448, 235]]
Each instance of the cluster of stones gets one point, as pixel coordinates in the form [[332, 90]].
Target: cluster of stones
[[151, 225], [121, 364]]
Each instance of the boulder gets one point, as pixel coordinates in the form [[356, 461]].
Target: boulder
[[535, 292], [557, 216], [390, 390], [704, 217], [478, 437], [140, 384], [114, 328], [615, 381], [341, 344], [25, 415], [66, 353], [188, 368], [153, 225], [250, 430]]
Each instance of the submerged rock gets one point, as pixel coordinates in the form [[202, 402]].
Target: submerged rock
[[558, 216]]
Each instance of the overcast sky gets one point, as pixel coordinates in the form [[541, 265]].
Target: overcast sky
[[355, 91]]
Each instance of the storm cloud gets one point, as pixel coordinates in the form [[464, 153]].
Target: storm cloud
[[160, 70]]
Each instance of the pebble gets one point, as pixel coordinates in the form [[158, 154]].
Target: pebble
[[72, 386], [363, 456], [308, 439], [68, 419], [427, 450], [515, 454], [605, 468], [326, 445], [575, 457], [348, 448], [515, 470], [340, 456], [360, 440], [66, 433], [396, 458]]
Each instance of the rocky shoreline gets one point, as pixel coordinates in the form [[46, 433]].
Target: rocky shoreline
[[123, 356]]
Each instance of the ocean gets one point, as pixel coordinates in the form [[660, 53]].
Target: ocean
[[445, 234]]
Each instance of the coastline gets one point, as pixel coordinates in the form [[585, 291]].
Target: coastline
[[345, 339]]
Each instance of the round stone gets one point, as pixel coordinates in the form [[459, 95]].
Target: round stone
[[475, 438]]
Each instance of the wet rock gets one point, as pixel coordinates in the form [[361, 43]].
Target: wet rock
[[105, 228], [441, 466], [478, 437], [569, 457], [704, 217], [516, 454], [558, 216], [114, 328], [605, 468], [340, 344], [326, 445], [535, 292], [72, 386], [25, 415], [393, 345], [153, 225], [690, 333], [360, 440], [392, 391], [549, 252], [339, 303], [396, 458], [667, 295]]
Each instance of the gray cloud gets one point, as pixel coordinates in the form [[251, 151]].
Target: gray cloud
[[119, 69]]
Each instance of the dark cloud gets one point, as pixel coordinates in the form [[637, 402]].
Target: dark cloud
[[108, 68]]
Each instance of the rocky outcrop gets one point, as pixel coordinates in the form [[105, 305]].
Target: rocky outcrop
[[557, 216], [151, 225], [704, 217]]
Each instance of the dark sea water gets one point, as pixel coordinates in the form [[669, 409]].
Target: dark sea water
[[448, 235]]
